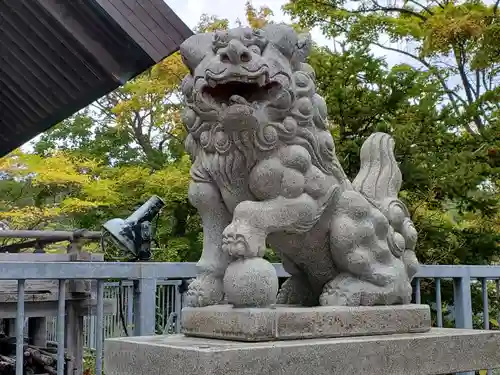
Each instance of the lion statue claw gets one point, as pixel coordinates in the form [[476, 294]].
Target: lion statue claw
[[265, 173]]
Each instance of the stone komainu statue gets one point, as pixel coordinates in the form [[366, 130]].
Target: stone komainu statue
[[265, 172]]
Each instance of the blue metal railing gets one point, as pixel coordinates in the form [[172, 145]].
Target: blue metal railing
[[143, 279]]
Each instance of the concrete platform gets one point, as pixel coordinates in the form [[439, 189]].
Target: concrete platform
[[439, 351], [288, 323]]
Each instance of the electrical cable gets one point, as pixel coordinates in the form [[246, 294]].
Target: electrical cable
[[121, 308]]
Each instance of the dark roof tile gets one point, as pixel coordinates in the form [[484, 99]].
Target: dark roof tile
[[58, 56]]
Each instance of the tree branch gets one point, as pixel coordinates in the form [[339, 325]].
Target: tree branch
[[483, 77], [422, 6], [478, 84], [452, 96], [438, 3], [377, 8], [399, 10], [389, 9], [21, 192], [469, 90], [495, 7]]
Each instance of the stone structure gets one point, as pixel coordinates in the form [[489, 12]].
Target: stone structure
[[440, 351], [293, 323], [265, 172]]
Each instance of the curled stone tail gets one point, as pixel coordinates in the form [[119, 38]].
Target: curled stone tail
[[379, 176]]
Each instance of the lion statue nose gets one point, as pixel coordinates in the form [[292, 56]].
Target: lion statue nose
[[235, 53]]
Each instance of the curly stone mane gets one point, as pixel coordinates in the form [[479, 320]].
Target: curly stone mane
[[265, 174], [287, 114]]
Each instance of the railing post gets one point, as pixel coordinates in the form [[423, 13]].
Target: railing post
[[462, 302], [418, 298], [61, 316], [99, 341], [20, 327], [178, 308], [130, 307], [144, 307], [439, 304]]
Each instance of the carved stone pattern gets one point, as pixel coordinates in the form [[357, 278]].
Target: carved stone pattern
[[265, 173]]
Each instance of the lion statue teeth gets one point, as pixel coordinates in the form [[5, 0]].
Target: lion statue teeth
[[265, 173]]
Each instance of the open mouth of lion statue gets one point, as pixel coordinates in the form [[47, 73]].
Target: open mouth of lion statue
[[240, 90]]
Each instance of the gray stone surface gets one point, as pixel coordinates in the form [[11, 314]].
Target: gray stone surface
[[439, 351], [265, 172], [286, 322], [259, 279]]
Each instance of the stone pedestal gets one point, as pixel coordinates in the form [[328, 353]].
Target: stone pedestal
[[438, 351], [288, 323], [388, 340]]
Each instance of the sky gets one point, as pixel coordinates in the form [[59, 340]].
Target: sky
[[190, 12]]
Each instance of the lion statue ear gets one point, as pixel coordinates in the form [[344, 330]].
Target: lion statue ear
[[304, 44], [291, 44], [195, 48], [282, 36]]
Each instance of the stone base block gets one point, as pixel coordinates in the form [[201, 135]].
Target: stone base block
[[288, 323], [439, 351]]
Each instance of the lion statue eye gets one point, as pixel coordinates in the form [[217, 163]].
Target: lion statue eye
[[218, 36], [219, 40], [259, 38], [258, 33]]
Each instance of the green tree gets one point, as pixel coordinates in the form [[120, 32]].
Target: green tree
[[138, 123], [457, 42], [135, 137]]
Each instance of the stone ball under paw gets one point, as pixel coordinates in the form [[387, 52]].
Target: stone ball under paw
[[251, 282]]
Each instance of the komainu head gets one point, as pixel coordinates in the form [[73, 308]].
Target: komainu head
[[243, 67], [254, 82]]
